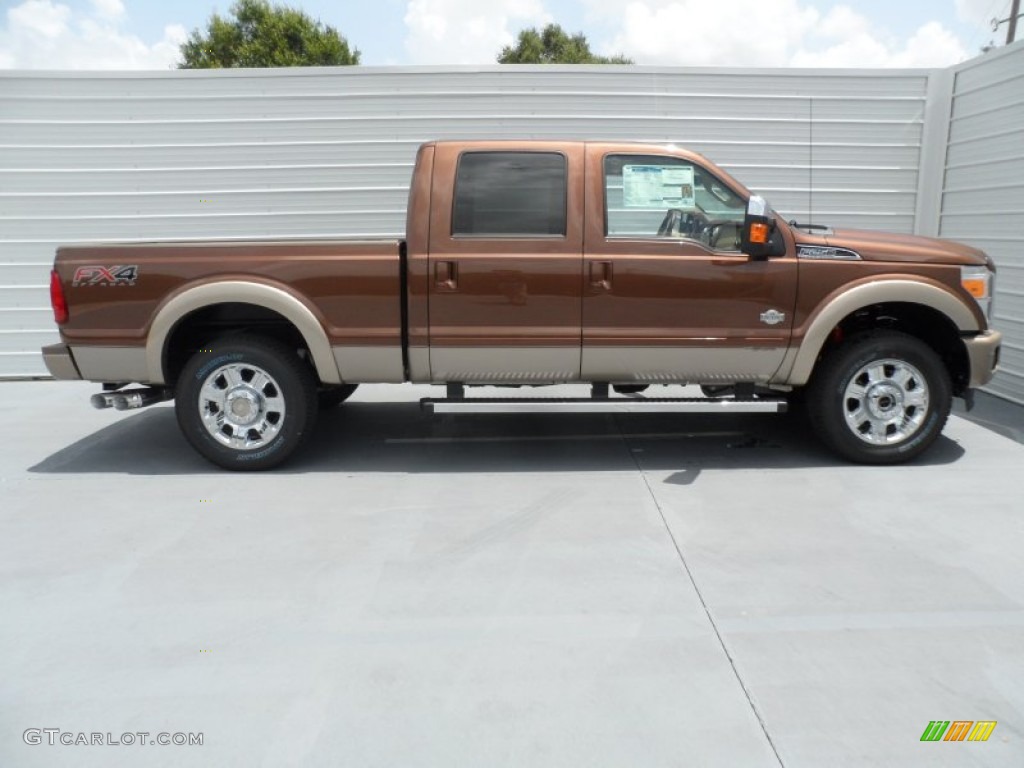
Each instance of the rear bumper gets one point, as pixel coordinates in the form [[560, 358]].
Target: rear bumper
[[59, 362], [983, 353]]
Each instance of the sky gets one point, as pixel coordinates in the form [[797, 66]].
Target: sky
[[146, 34]]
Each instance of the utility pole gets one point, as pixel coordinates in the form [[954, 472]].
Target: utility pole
[[1011, 29]]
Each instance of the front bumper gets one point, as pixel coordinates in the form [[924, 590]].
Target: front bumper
[[59, 362], [983, 354]]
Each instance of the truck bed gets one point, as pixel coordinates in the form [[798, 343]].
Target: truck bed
[[352, 286]]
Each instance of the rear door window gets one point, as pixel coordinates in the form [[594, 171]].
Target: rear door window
[[510, 194]]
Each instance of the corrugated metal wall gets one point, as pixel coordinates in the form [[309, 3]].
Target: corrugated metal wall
[[328, 152], [983, 194]]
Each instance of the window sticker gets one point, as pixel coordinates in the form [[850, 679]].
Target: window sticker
[[658, 186]]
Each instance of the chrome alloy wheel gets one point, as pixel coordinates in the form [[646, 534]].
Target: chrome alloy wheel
[[241, 406], [886, 402]]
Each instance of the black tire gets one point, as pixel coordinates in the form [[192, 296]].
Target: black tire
[[886, 415], [331, 397], [629, 389], [289, 394], [717, 390]]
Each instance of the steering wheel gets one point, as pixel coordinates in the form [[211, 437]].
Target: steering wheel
[[709, 234], [672, 219], [690, 224]]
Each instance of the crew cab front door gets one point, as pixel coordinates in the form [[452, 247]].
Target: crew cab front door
[[506, 263], [668, 297]]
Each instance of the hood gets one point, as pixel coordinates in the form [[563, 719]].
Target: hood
[[888, 246]]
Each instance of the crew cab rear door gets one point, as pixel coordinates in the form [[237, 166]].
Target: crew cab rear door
[[506, 262], [664, 298]]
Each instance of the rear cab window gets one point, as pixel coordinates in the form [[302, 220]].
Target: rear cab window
[[510, 194]]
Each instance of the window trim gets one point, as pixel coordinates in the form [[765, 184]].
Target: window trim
[[507, 237]]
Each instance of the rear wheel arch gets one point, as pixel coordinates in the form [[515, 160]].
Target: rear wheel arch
[[215, 324], [189, 304]]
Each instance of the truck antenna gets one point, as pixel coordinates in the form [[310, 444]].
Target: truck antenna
[[810, 168]]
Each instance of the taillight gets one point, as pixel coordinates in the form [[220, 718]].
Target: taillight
[[57, 300]]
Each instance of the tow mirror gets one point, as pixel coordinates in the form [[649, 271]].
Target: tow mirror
[[760, 238]]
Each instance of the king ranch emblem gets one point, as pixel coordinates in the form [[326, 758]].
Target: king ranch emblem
[[97, 275], [772, 317]]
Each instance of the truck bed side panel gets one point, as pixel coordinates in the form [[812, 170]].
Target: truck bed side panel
[[351, 287]]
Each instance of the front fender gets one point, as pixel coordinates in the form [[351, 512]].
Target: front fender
[[877, 291]]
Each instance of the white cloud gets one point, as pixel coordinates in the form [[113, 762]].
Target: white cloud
[[43, 34], [697, 32], [840, 23], [756, 33], [931, 46], [110, 9], [852, 41], [40, 18], [980, 12], [466, 31]]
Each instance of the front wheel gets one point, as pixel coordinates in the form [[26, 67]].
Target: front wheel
[[331, 397], [881, 398], [247, 403]]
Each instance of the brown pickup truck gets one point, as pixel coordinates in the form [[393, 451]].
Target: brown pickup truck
[[540, 262]]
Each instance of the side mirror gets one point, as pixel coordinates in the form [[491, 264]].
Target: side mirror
[[760, 239]]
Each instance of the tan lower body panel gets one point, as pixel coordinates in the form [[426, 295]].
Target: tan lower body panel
[[983, 354], [694, 365], [537, 365], [112, 363], [782, 375], [505, 365], [419, 365], [380, 365], [59, 362]]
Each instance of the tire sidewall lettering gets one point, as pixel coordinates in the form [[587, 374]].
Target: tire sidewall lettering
[[216, 362]]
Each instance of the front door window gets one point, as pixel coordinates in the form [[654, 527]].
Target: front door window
[[669, 197]]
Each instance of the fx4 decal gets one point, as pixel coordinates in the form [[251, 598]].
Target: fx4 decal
[[119, 275]]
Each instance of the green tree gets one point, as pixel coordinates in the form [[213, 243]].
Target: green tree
[[553, 45], [258, 34]]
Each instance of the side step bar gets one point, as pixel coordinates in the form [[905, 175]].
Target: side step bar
[[611, 405]]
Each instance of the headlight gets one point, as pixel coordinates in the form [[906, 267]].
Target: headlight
[[980, 282]]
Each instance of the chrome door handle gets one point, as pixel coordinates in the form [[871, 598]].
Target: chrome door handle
[[446, 275], [601, 275]]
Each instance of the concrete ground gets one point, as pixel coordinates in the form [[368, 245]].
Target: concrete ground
[[504, 591]]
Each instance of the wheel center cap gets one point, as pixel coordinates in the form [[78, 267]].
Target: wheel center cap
[[885, 401], [243, 405]]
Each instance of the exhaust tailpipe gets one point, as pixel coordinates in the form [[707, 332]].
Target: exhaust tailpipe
[[139, 398], [102, 401], [129, 399]]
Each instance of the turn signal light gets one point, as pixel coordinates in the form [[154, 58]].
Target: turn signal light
[[57, 300], [758, 233], [980, 283], [977, 287]]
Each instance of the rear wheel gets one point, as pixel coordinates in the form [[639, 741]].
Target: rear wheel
[[248, 404], [881, 398]]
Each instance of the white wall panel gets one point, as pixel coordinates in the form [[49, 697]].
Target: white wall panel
[[328, 152], [983, 193]]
